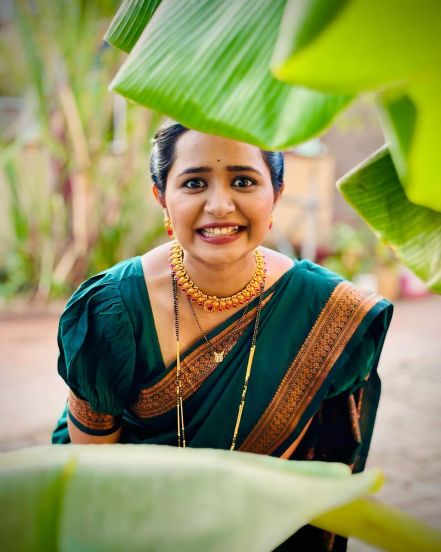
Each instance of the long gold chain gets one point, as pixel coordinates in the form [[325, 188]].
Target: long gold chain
[[179, 401]]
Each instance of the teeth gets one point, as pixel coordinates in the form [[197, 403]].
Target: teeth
[[223, 231]]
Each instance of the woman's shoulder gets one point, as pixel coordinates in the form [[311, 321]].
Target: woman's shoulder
[[103, 292], [320, 286]]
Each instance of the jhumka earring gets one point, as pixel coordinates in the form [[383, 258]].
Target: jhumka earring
[[168, 226], [271, 221]]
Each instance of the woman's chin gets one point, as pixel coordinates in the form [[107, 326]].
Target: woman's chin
[[219, 250]]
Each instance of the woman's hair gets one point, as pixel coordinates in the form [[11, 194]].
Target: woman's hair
[[163, 156]]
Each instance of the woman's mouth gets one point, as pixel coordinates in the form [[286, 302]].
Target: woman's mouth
[[220, 234], [219, 231]]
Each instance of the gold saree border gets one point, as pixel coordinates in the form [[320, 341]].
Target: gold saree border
[[334, 327], [195, 369], [83, 413]]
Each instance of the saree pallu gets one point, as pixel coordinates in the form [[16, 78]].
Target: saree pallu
[[313, 391]]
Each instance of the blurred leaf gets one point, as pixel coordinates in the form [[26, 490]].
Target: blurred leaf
[[17, 217], [76, 138], [412, 126], [191, 500], [205, 63], [129, 22], [392, 46], [35, 64], [381, 526], [366, 44], [399, 117], [63, 498], [412, 231]]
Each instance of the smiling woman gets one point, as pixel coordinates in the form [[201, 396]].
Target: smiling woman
[[215, 341]]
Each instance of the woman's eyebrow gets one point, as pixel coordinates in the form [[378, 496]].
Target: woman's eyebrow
[[230, 168], [238, 168], [192, 170]]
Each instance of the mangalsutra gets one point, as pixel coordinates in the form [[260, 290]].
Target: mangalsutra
[[211, 302], [218, 355], [179, 401]]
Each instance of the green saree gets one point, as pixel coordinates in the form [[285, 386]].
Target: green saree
[[317, 352]]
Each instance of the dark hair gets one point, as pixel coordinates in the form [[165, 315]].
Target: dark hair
[[163, 156]]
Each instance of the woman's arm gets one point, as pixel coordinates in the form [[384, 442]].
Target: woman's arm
[[79, 437]]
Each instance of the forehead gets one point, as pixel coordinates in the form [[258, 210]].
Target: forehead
[[194, 149]]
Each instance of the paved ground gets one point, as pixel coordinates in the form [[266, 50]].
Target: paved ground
[[406, 442]]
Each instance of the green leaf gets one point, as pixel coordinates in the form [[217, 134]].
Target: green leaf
[[126, 497], [129, 22], [412, 231], [31, 498], [367, 44], [380, 525], [412, 123], [206, 64], [392, 46], [399, 117]]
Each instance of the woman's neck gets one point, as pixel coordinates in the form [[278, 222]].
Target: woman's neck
[[221, 280]]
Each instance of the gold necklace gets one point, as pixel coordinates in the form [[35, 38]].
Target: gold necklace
[[211, 302], [179, 401], [218, 355]]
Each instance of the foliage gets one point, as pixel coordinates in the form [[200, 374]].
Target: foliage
[[352, 251], [208, 64], [412, 231], [75, 169], [394, 49], [150, 497]]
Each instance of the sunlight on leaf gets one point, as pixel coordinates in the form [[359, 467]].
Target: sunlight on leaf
[[206, 64], [191, 500], [381, 526], [366, 45], [393, 47]]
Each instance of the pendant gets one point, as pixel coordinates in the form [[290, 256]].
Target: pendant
[[219, 357]]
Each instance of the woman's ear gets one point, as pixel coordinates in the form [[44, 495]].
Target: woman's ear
[[158, 196]]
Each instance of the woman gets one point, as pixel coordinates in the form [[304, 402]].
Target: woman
[[215, 341]]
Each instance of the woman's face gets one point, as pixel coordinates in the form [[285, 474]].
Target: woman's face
[[219, 197]]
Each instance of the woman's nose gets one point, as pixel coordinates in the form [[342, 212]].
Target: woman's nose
[[219, 202]]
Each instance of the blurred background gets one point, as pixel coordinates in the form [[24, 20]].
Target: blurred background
[[75, 198]]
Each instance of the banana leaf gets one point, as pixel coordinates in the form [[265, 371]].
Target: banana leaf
[[411, 231], [129, 22], [135, 497], [394, 47], [206, 64]]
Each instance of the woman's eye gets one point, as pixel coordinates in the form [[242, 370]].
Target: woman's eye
[[194, 184], [243, 182]]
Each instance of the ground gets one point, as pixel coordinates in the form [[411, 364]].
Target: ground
[[406, 444]]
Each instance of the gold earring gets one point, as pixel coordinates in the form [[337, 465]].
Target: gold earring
[[169, 226], [271, 221]]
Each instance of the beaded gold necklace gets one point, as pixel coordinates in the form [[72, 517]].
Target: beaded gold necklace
[[213, 303], [179, 401]]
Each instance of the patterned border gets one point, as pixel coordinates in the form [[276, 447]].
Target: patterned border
[[88, 418], [195, 369], [336, 324]]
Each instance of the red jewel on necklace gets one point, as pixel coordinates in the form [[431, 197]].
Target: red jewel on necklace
[[212, 303]]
